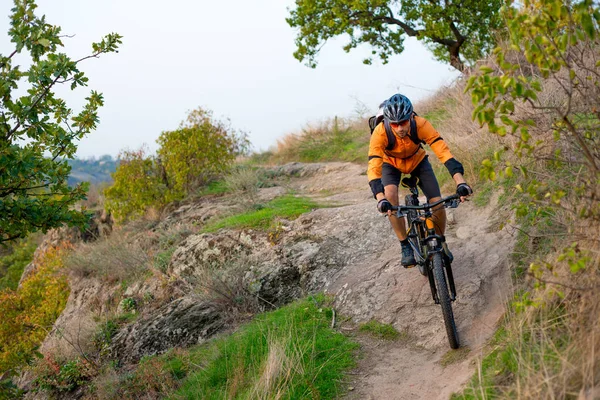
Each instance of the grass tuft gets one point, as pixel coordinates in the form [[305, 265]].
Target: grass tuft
[[288, 206], [455, 356], [382, 331], [290, 353]]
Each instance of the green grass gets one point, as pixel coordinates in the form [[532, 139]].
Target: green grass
[[293, 346], [287, 206], [214, 188], [455, 356], [337, 145], [519, 348], [380, 330], [440, 114], [482, 197]]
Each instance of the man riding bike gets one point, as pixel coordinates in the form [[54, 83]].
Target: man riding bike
[[392, 152]]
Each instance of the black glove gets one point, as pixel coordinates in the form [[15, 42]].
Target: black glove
[[464, 190], [384, 206]]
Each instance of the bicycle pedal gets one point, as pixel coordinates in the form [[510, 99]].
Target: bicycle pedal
[[409, 266]]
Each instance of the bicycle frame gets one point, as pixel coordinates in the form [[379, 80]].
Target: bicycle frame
[[422, 228], [433, 262]]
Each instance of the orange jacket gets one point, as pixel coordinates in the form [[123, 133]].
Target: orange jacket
[[405, 155]]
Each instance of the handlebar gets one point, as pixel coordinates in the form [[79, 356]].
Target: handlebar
[[452, 199]]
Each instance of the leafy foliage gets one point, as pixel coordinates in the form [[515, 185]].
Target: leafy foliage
[[201, 148], [188, 159], [55, 377], [137, 186], [553, 43], [29, 312], [454, 31], [541, 92], [12, 265], [38, 131]]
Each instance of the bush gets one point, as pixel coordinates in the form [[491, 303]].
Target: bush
[[12, 265], [29, 312], [57, 376], [137, 186], [200, 149], [114, 259]]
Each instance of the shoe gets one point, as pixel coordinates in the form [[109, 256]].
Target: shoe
[[408, 257], [447, 252]]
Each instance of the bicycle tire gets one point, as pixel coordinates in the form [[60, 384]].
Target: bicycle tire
[[445, 302]]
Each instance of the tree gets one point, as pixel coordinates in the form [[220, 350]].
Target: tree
[[457, 32], [201, 148], [38, 131]]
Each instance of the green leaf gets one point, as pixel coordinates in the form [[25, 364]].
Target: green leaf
[[588, 25]]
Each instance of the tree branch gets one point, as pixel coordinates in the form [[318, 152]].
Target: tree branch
[[47, 89], [577, 288], [9, 57], [586, 150]]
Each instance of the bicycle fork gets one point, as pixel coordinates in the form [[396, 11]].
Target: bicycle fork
[[434, 248]]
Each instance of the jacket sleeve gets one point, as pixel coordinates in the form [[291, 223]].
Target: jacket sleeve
[[427, 132], [376, 148]]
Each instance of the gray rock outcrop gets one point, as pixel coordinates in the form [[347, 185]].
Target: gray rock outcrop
[[183, 322]]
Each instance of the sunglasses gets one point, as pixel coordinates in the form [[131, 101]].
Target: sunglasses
[[397, 124]]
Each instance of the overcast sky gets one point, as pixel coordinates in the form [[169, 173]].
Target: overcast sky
[[232, 57]]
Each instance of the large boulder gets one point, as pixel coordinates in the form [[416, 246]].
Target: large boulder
[[183, 322]]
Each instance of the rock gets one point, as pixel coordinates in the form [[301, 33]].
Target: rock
[[183, 322]]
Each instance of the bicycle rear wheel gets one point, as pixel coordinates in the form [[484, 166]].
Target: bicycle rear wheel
[[444, 298]]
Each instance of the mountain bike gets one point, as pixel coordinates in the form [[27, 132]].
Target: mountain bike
[[430, 252]]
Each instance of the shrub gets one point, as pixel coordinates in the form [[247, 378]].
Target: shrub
[[244, 182], [57, 376], [29, 312], [137, 186], [12, 265], [116, 258], [201, 148]]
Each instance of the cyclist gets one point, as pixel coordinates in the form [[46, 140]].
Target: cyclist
[[389, 160]]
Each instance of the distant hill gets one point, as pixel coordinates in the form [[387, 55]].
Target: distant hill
[[92, 170]]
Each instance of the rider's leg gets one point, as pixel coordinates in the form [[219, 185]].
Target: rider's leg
[[390, 177], [398, 225], [431, 188], [439, 217]]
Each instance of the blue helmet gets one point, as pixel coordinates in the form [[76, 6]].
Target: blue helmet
[[398, 108]]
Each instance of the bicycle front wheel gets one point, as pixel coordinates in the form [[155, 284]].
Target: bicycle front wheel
[[445, 302]]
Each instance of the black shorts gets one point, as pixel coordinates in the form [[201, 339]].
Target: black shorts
[[428, 183]]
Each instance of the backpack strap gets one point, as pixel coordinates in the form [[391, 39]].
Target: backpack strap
[[414, 136], [390, 135]]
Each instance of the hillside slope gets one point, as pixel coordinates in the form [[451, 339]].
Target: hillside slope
[[347, 250]]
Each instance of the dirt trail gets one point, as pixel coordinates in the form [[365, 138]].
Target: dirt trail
[[373, 285]]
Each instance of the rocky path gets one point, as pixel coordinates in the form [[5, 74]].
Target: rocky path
[[377, 287]]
